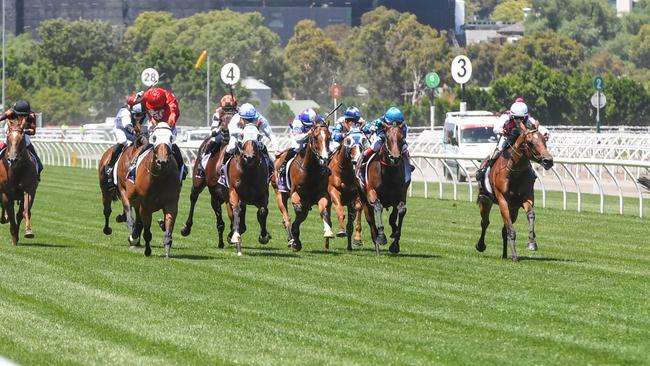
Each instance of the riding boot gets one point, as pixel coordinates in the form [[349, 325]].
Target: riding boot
[[290, 154], [480, 173], [110, 166], [39, 164], [179, 160], [267, 158]]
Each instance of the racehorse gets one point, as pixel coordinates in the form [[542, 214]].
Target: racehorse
[[18, 181], [386, 186], [512, 180], [121, 167], [308, 181], [156, 186], [342, 185], [248, 180], [218, 193]]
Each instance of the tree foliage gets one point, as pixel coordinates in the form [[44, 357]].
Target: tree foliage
[[510, 10]]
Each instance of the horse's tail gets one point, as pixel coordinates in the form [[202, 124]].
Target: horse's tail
[[645, 182]]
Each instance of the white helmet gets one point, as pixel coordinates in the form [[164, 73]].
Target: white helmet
[[137, 108], [248, 112], [519, 109]]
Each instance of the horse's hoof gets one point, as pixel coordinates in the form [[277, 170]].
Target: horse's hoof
[[341, 234], [515, 259], [161, 223], [135, 246], [239, 254], [394, 248], [186, 230], [107, 231], [3, 220], [357, 242], [134, 242], [264, 239], [532, 246], [29, 234], [235, 238], [381, 239], [220, 245], [328, 234], [296, 246], [480, 247], [147, 251], [120, 218]]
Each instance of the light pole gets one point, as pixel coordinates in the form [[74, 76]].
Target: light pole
[[4, 83], [207, 92]]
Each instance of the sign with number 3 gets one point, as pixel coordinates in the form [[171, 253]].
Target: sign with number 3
[[461, 69]]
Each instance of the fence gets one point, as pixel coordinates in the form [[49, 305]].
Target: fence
[[577, 175]]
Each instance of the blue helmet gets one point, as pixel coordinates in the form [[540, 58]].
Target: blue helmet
[[352, 113], [248, 112], [308, 117], [394, 115]]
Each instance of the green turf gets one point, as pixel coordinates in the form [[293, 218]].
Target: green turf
[[75, 296]]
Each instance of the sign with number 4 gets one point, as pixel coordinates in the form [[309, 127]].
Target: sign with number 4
[[230, 73]]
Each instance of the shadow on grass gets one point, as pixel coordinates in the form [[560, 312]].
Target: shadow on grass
[[24, 243], [286, 254], [546, 259], [192, 257]]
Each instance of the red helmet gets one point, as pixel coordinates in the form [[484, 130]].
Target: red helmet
[[154, 98], [519, 100], [132, 100], [228, 101]]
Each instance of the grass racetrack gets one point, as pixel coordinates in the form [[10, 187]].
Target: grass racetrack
[[72, 295]]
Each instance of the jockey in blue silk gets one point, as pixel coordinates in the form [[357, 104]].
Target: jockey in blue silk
[[350, 119], [378, 136], [247, 114], [300, 127]]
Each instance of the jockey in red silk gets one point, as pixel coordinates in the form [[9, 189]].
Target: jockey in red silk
[[20, 111], [161, 106]]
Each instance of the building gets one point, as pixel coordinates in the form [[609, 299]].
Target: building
[[280, 15], [496, 32]]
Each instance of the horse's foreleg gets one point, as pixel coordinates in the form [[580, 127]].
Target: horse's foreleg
[[135, 226], [301, 214], [370, 218], [145, 216], [508, 233], [235, 217], [106, 202], [401, 212], [27, 210], [323, 204], [11, 215], [392, 221], [335, 196], [357, 232], [352, 215], [170, 218], [485, 205], [286, 220], [262, 214], [194, 196], [530, 213], [215, 202]]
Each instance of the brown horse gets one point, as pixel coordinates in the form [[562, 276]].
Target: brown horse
[[121, 167], [157, 186], [342, 184], [248, 175], [218, 193], [18, 180], [308, 178], [512, 180], [386, 186]]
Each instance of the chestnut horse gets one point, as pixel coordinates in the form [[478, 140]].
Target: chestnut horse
[[18, 181], [248, 175], [342, 184], [308, 180], [386, 186], [121, 167], [218, 193], [512, 180], [157, 186]]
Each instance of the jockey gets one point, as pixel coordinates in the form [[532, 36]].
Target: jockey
[[128, 115], [218, 135], [506, 129], [350, 119], [300, 127], [378, 131], [19, 112], [247, 114], [161, 106]]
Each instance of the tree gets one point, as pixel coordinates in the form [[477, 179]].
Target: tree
[[627, 102], [312, 60], [60, 106], [83, 43], [640, 47], [510, 10], [279, 113], [483, 56], [138, 35]]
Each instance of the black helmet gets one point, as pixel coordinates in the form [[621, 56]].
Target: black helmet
[[21, 108]]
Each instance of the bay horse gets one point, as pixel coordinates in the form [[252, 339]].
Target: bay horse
[[308, 180], [121, 167], [218, 193], [157, 186], [18, 180], [386, 186], [248, 175], [512, 180], [342, 185]]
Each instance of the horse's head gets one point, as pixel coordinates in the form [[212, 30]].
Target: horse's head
[[534, 145], [319, 138], [16, 144], [354, 143], [249, 145], [162, 138], [394, 141]]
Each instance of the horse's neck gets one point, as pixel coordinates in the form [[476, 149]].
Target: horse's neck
[[518, 160]]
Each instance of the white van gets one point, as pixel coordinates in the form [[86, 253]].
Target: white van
[[468, 133]]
